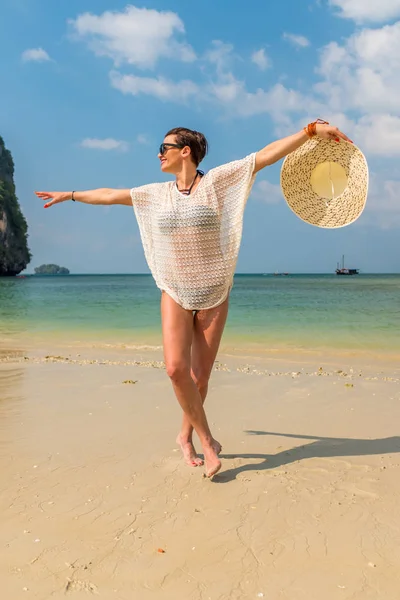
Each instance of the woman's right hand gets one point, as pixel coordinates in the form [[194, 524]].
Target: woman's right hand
[[54, 197]]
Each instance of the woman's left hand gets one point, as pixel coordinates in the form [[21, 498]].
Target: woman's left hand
[[328, 132]]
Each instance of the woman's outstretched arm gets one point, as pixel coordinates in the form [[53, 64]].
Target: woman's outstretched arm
[[281, 148], [105, 196]]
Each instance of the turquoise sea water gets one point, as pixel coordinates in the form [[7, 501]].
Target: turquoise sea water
[[307, 312]]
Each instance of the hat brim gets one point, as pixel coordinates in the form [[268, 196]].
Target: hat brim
[[296, 185]]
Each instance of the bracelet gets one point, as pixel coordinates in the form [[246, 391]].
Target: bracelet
[[72, 197], [311, 129]]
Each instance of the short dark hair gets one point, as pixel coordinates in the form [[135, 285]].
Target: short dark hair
[[196, 141]]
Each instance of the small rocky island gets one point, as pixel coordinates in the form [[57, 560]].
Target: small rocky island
[[51, 270], [14, 251]]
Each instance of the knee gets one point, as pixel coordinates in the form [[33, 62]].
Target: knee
[[201, 378], [177, 371]]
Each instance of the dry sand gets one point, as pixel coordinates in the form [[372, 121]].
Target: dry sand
[[306, 506]]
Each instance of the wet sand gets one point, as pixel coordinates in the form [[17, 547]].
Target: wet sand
[[95, 499]]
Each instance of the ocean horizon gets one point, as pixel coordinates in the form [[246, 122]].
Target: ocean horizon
[[247, 274]]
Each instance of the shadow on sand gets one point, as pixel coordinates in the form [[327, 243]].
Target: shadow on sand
[[321, 447]]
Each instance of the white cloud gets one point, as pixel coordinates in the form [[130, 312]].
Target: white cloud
[[229, 92], [226, 89], [297, 40], [221, 55], [35, 55], [379, 134], [363, 76], [386, 196], [278, 101], [378, 11], [260, 59], [105, 144], [136, 36], [266, 191], [160, 87], [383, 203]]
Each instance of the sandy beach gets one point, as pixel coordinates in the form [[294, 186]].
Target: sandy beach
[[96, 500]]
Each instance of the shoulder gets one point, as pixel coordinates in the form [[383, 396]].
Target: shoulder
[[239, 167], [150, 190]]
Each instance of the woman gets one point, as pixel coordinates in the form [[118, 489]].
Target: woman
[[191, 230]]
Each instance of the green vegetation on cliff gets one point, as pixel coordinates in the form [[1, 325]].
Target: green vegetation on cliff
[[51, 270], [14, 252]]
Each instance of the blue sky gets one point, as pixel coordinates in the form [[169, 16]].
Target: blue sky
[[90, 88]]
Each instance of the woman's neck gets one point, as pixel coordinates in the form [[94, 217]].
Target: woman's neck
[[185, 177]]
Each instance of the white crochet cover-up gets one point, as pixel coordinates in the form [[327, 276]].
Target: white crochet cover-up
[[191, 243]]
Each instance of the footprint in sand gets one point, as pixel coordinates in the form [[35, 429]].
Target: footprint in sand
[[75, 585]]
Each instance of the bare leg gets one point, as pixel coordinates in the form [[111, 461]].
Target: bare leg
[[208, 329], [177, 328]]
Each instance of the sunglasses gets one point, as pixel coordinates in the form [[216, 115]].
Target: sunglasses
[[164, 147]]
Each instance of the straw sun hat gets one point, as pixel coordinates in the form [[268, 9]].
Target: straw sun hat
[[325, 183]]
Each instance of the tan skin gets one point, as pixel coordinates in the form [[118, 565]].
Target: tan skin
[[190, 341]]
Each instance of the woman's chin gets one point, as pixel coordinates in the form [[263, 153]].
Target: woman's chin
[[167, 169]]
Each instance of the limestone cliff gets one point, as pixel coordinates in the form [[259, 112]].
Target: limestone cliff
[[14, 252]]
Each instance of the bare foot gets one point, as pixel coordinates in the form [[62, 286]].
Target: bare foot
[[212, 462], [189, 453]]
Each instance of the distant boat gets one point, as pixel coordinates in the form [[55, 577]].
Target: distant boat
[[280, 274], [345, 271]]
